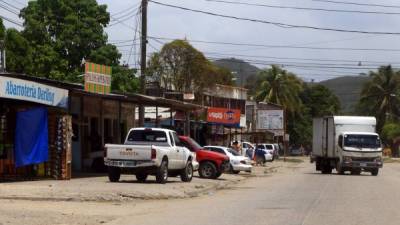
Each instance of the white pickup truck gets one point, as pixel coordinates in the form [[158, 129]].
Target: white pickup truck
[[150, 151]]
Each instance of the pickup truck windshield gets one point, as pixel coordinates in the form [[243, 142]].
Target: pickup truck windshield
[[362, 141], [194, 144], [147, 136]]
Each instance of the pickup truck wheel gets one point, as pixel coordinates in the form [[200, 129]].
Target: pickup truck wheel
[[355, 171], [207, 170], [162, 173], [114, 173], [141, 177], [374, 172], [187, 172]]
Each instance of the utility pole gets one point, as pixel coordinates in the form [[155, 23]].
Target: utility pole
[[143, 43]]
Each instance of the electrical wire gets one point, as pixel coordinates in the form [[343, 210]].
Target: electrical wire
[[280, 46], [11, 21], [279, 24], [357, 3], [304, 8]]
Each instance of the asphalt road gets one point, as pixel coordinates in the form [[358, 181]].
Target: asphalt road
[[296, 196]]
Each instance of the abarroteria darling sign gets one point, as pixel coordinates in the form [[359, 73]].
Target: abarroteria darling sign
[[14, 88]]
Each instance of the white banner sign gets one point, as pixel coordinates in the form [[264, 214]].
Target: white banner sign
[[14, 88], [270, 119]]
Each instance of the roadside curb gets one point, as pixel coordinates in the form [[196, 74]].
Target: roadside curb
[[127, 197]]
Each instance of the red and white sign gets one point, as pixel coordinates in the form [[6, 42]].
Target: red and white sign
[[223, 116]]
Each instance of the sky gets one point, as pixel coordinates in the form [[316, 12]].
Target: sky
[[252, 41]]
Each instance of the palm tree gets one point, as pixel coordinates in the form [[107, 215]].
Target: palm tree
[[280, 87], [380, 96]]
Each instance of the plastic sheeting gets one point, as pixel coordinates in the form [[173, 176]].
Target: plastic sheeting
[[31, 137]]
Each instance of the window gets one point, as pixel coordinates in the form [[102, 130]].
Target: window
[[260, 146], [176, 139], [340, 141], [269, 147], [362, 141], [147, 136], [171, 138], [233, 152], [185, 144]]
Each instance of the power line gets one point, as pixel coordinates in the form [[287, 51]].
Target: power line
[[279, 24], [135, 6], [9, 9], [11, 5], [356, 3], [304, 8], [282, 46], [11, 21]]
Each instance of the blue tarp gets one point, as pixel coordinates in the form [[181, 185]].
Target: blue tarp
[[31, 137]]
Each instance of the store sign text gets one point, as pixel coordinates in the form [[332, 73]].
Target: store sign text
[[223, 116], [31, 91]]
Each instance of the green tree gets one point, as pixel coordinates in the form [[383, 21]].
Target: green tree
[[390, 132], [280, 87], [181, 67], [320, 100], [124, 80], [63, 32], [18, 52], [2, 30], [380, 97]]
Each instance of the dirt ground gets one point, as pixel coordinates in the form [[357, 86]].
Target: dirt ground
[[94, 200]]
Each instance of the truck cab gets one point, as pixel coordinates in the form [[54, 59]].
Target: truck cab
[[359, 151]]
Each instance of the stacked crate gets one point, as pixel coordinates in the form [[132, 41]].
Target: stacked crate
[[60, 148]]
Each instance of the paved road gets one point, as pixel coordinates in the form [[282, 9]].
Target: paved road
[[297, 196]]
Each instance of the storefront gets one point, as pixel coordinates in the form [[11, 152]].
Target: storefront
[[35, 129]]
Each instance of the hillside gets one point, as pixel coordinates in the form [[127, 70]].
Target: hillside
[[242, 70], [347, 89]]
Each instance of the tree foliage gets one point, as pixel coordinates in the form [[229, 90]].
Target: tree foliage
[[57, 35], [280, 87], [381, 96], [181, 67]]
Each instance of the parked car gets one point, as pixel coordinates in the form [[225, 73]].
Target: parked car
[[212, 164], [237, 162], [271, 149], [149, 151], [296, 151], [263, 154]]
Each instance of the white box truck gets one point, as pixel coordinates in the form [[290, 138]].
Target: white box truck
[[346, 143]]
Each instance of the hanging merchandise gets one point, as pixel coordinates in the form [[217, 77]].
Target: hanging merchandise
[[61, 157], [31, 137]]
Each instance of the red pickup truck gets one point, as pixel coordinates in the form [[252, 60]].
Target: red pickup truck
[[212, 164]]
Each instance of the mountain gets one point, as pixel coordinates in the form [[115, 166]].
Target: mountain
[[243, 71], [347, 89]]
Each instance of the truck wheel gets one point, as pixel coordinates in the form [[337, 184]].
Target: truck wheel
[[339, 169], [327, 169], [187, 172], [207, 170], [141, 177], [375, 172], [114, 173], [162, 173], [355, 171]]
